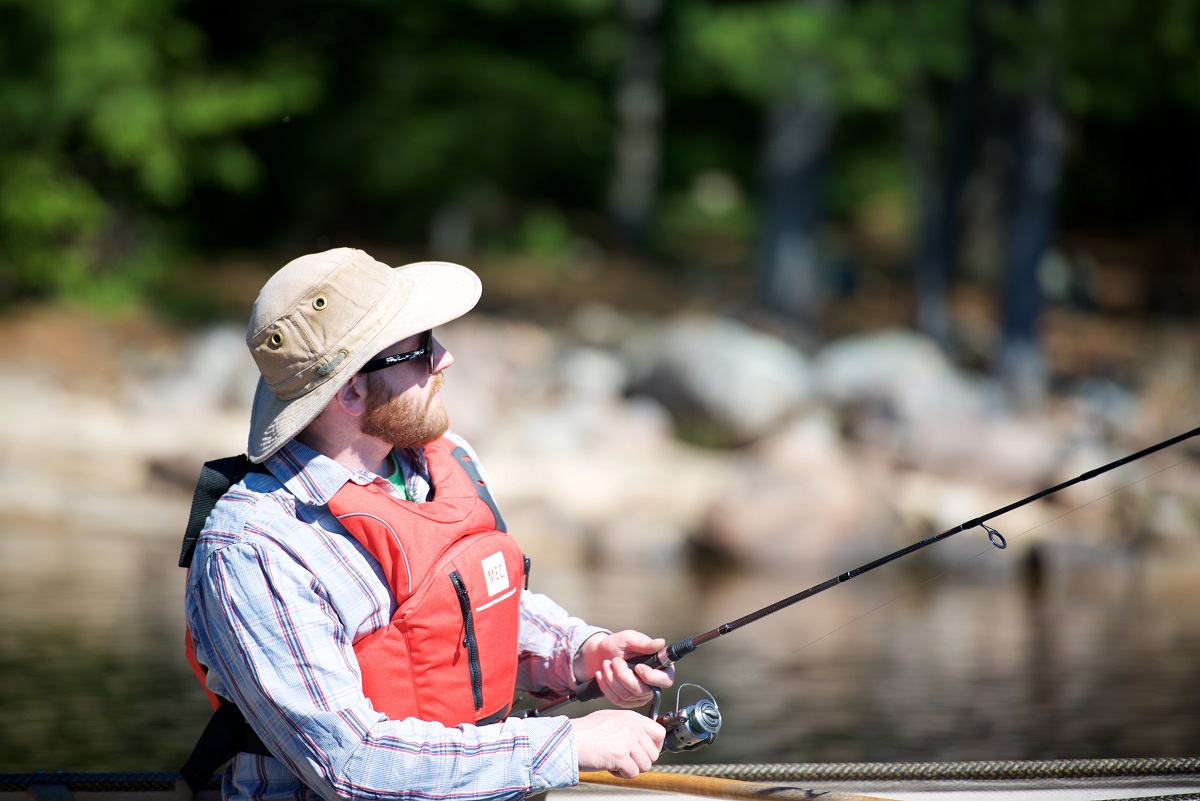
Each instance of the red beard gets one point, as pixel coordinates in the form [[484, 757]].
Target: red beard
[[410, 421]]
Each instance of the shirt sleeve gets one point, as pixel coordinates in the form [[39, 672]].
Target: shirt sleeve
[[549, 640], [260, 620]]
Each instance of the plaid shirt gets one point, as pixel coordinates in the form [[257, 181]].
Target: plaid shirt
[[277, 594]]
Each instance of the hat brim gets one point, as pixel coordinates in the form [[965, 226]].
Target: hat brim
[[438, 292]]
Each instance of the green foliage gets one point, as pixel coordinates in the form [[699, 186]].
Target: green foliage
[[477, 110], [132, 129], [866, 59], [112, 115], [711, 223], [1120, 59], [44, 209], [864, 174], [868, 54], [430, 106], [546, 234]]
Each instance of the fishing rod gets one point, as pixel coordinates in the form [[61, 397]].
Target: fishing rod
[[697, 724]]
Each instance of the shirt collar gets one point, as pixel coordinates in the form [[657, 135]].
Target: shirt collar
[[314, 478], [311, 476]]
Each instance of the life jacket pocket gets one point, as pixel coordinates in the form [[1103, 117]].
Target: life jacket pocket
[[449, 653]]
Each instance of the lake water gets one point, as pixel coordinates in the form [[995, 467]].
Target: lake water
[[1096, 660]]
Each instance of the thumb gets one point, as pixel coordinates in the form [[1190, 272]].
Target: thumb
[[639, 643]]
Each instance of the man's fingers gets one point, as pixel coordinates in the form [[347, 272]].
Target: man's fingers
[[632, 686], [621, 742], [642, 754], [621, 684], [655, 678], [629, 766], [630, 643]]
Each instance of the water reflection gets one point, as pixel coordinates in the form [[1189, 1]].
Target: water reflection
[[92, 676], [1097, 661]]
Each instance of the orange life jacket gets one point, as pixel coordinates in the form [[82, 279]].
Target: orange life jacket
[[449, 653]]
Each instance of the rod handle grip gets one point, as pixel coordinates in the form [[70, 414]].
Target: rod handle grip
[[590, 690]]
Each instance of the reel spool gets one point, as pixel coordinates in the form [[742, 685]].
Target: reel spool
[[690, 727]]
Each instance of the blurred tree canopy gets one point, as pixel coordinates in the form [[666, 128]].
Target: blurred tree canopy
[[113, 114], [815, 144]]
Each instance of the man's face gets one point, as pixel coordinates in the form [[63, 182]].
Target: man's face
[[404, 402]]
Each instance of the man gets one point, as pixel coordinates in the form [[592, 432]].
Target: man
[[357, 596]]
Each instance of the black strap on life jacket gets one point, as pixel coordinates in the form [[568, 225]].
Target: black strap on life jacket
[[227, 732], [226, 735], [216, 477]]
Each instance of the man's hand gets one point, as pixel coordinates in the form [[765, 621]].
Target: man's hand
[[602, 658], [620, 741]]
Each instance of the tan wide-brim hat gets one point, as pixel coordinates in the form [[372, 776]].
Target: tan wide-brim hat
[[323, 316]]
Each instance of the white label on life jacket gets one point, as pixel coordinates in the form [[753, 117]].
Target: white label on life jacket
[[495, 572]]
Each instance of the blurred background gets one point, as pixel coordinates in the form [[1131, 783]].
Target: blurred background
[[770, 289]]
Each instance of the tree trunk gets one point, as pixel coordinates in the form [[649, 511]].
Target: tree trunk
[[798, 131], [639, 106], [931, 268], [1032, 222], [940, 191]]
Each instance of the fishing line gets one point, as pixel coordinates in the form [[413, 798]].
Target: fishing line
[[953, 568]]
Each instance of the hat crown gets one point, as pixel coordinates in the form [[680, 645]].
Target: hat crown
[[316, 314]]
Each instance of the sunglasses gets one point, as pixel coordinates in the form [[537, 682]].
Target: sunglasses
[[425, 350]]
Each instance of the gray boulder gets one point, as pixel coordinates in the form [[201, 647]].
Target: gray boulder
[[717, 372]]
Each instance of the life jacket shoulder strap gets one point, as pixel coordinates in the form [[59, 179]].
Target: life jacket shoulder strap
[[216, 477], [471, 469]]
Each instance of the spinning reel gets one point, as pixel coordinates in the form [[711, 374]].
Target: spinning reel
[[690, 727]]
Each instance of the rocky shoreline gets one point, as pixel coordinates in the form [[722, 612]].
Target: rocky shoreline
[[826, 458]]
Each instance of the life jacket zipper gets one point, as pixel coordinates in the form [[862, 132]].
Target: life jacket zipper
[[469, 641]]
